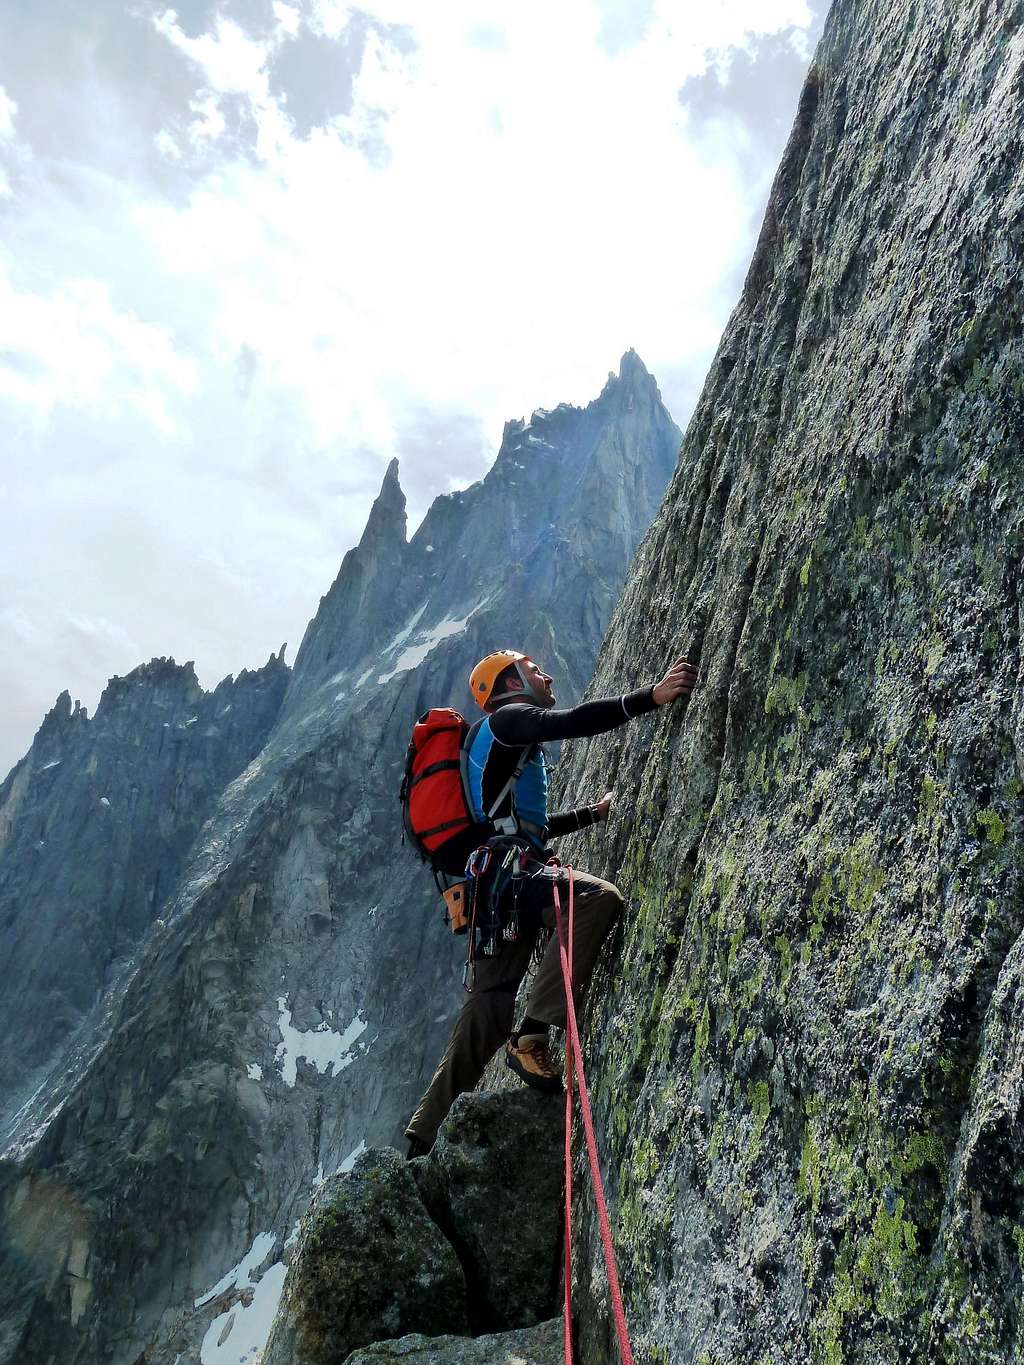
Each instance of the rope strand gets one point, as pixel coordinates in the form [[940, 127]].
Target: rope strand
[[574, 1066]]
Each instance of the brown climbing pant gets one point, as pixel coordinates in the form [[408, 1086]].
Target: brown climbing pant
[[485, 1021]]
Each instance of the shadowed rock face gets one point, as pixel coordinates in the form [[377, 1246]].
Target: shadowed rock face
[[95, 825], [370, 1264], [466, 1238], [807, 1064], [493, 1184], [295, 990]]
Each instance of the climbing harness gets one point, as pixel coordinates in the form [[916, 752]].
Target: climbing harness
[[487, 928], [574, 1069]]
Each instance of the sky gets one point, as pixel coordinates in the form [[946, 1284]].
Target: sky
[[251, 250]]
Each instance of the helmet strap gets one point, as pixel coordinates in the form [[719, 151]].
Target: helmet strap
[[527, 694]]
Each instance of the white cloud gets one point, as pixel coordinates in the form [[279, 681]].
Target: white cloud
[[7, 111], [73, 347], [505, 208], [330, 17], [521, 234], [288, 17], [231, 62], [167, 146]]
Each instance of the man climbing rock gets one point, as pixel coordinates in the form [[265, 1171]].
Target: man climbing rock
[[517, 698]]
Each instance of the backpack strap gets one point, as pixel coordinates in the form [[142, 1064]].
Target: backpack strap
[[438, 767], [517, 773]]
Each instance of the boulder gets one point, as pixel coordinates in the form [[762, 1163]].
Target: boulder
[[493, 1183], [369, 1263], [534, 1346]]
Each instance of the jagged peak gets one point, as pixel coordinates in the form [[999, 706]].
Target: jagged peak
[[231, 680], [60, 715], [61, 708], [631, 366], [387, 515], [633, 375], [158, 671]]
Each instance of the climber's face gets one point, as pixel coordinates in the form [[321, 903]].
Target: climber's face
[[539, 682]]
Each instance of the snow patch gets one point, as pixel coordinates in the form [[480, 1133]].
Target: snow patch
[[254, 1071], [241, 1275], [192, 720], [238, 1336], [352, 1157], [536, 441], [405, 632], [323, 1047], [104, 801], [414, 655], [430, 549], [47, 766]]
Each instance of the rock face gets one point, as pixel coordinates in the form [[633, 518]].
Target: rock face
[[370, 1263], [95, 825], [534, 1346], [807, 1059], [393, 1247], [294, 992], [493, 1183]]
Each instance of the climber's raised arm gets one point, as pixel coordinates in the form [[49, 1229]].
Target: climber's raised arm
[[532, 722]]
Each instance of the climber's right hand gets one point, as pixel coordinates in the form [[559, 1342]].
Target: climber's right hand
[[679, 681]]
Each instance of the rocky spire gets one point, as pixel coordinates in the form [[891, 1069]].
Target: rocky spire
[[633, 381], [632, 369], [387, 519], [360, 599]]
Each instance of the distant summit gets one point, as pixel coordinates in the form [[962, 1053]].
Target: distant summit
[[225, 975]]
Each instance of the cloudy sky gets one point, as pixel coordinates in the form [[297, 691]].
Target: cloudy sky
[[252, 249]]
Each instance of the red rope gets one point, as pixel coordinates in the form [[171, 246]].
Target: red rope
[[566, 959], [574, 1064]]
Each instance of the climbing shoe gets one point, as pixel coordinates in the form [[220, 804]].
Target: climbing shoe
[[530, 1059], [417, 1147]]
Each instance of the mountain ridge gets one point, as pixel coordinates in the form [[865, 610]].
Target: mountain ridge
[[267, 1024]]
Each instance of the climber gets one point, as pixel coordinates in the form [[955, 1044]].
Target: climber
[[517, 699]]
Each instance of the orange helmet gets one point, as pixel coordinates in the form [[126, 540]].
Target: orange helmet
[[487, 673]]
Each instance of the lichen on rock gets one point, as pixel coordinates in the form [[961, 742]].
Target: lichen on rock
[[806, 1058]]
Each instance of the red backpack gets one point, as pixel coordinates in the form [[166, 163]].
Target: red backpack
[[436, 808], [434, 795]]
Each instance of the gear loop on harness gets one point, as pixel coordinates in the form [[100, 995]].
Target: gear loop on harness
[[574, 1068], [492, 867]]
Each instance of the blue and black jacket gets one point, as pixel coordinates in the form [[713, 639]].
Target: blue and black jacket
[[497, 749]]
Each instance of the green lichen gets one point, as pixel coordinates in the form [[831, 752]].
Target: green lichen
[[993, 825]]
